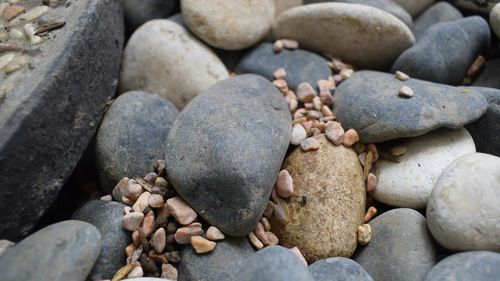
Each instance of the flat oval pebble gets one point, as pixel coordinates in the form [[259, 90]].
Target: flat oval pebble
[[385, 5], [401, 247], [223, 263], [107, 217], [215, 143], [274, 263], [364, 36], [338, 268], [476, 265], [132, 136], [489, 76], [439, 12], [486, 130], [414, 7], [431, 59], [323, 199], [300, 65], [59, 252], [409, 183], [462, 218], [163, 58], [369, 103], [230, 25]]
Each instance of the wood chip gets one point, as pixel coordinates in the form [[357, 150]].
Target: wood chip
[[46, 28]]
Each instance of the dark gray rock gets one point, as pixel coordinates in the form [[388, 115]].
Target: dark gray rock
[[300, 65], [221, 264], [439, 12], [489, 76], [338, 269], [369, 103], [401, 247], [59, 252], [446, 51], [107, 217], [50, 115], [132, 136], [138, 12], [225, 150], [274, 263], [476, 265], [385, 5], [486, 130]]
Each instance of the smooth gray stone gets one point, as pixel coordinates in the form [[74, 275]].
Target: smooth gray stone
[[466, 266], [369, 103], [439, 12], [63, 251], [274, 263], [401, 247], [446, 51], [226, 148], [486, 130], [385, 5], [223, 263], [489, 77], [338, 269], [107, 217], [300, 65], [137, 12], [132, 136], [54, 108]]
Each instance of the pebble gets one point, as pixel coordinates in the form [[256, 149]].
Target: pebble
[[305, 92], [338, 268], [405, 92], [255, 241], [371, 182], [475, 265], [409, 183], [310, 144], [230, 197], [63, 251], [462, 218], [120, 189], [274, 263], [398, 150], [469, 36], [136, 272], [335, 132], [265, 222], [4, 245], [168, 271], [370, 213], [350, 137], [391, 117], [142, 202], [214, 234], [132, 221], [181, 211], [412, 253], [402, 76], [133, 190], [414, 7], [223, 263], [151, 63], [374, 42], [284, 184], [183, 235], [208, 20], [323, 199], [439, 12], [106, 198], [155, 201], [364, 234], [148, 224], [202, 245], [124, 152], [159, 239], [107, 218]]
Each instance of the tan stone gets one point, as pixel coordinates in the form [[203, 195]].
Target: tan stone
[[183, 235], [284, 184], [327, 205], [168, 271], [155, 201], [280, 73], [255, 241], [214, 234], [350, 137], [364, 234], [142, 202], [202, 245], [159, 240], [148, 224], [132, 221], [181, 211]]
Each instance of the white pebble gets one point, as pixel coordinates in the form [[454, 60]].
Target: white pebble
[[298, 134], [406, 92], [284, 184]]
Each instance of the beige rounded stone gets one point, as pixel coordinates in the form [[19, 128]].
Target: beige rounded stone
[[230, 25], [327, 206], [163, 58], [495, 19], [361, 35], [283, 5]]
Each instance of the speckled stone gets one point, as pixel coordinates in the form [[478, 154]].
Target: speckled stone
[[300, 65], [335, 199], [477, 265], [213, 148], [338, 268], [446, 51], [439, 12], [401, 247], [369, 103]]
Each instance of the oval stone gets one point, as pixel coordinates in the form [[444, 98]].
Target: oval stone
[[338, 268], [225, 149], [132, 136], [63, 251], [409, 183], [328, 203], [163, 58], [463, 211], [401, 247], [476, 265], [230, 25], [364, 36]]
